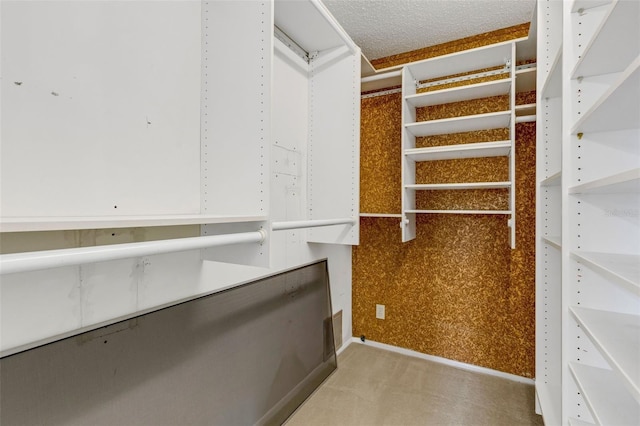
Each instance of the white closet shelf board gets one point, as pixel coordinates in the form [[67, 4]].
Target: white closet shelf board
[[618, 108], [613, 33], [526, 80], [380, 215], [576, 422], [381, 81], [607, 399], [460, 211], [303, 22], [453, 152], [553, 180], [587, 4], [550, 402], [460, 93], [27, 224], [469, 123], [450, 186], [617, 337], [553, 240], [525, 109], [624, 268], [495, 55], [624, 182], [552, 87]]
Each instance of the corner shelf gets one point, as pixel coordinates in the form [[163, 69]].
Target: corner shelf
[[624, 268], [624, 182], [498, 212], [553, 84], [553, 240], [618, 108], [32, 224], [576, 422], [617, 337], [553, 180], [454, 186], [492, 120], [460, 93], [453, 152], [608, 401], [619, 18]]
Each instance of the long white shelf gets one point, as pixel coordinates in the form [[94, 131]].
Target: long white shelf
[[624, 182], [553, 180], [28, 224], [461, 93], [617, 337], [484, 57], [525, 109], [553, 240], [576, 422], [468, 123], [526, 79], [618, 108], [380, 215], [453, 152], [624, 268], [466, 185], [460, 211], [607, 399], [552, 87], [612, 31]]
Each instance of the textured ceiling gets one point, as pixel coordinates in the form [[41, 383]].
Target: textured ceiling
[[387, 27]]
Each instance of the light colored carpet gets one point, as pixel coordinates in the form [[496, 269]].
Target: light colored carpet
[[377, 387]]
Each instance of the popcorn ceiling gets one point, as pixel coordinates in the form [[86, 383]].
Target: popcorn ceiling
[[387, 27]]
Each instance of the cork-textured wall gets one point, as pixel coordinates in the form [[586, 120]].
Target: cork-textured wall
[[457, 291]]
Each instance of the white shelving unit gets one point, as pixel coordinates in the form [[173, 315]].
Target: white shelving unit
[[499, 57], [589, 194]]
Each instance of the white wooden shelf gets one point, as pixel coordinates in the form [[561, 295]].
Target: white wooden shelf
[[552, 87], [625, 182], [526, 80], [453, 186], [624, 268], [492, 120], [607, 399], [617, 337], [553, 240], [587, 4], [460, 62], [553, 180], [618, 108], [460, 211], [576, 422], [453, 152], [380, 215], [27, 224], [612, 31], [525, 109], [461, 93]]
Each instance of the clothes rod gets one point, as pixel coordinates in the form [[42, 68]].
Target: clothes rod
[[297, 224], [38, 260], [525, 118]]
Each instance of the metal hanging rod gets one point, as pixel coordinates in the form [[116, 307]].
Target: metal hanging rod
[[525, 119], [297, 224], [34, 261]]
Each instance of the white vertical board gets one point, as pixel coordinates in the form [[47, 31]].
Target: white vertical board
[[408, 223], [333, 162], [237, 53], [101, 106]]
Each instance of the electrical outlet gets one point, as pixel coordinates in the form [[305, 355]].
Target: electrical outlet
[[380, 311]]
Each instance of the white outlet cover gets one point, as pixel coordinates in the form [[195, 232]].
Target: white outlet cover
[[380, 311]]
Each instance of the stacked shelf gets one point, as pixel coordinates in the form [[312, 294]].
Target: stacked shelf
[[599, 195], [496, 57]]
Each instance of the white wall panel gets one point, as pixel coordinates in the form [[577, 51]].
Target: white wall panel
[[100, 104]]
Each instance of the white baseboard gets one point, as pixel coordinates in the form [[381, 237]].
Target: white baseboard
[[451, 363], [345, 344]]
